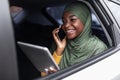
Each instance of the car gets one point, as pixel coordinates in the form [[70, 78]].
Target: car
[[34, 24]]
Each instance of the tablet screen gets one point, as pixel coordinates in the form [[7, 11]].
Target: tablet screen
[[40, 56]]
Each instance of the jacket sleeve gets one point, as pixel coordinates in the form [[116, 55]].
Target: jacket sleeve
[[56, 57]]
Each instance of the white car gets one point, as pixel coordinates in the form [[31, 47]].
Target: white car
[[34, 24]]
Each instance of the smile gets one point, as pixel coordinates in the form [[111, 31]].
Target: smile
[[70, 31]]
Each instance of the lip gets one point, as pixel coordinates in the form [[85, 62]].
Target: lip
[[70, 31]]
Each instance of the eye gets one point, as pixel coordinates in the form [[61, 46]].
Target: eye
[[73, 20]]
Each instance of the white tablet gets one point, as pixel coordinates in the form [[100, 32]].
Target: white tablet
[[40, 56]]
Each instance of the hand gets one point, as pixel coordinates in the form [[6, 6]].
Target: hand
[[50, 70], [60, 43]]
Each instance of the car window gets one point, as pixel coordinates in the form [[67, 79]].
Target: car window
[[114, 6], [57, 11], [38, 18]]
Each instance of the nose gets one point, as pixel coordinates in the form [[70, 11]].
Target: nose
[[67, 24]]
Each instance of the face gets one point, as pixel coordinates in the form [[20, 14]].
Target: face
[[72, 25]]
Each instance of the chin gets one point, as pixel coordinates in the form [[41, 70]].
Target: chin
[[70, 37]]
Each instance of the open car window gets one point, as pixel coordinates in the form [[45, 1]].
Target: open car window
[[56, 13], [97, 27]]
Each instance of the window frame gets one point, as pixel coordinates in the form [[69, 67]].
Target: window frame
[[91, 61]]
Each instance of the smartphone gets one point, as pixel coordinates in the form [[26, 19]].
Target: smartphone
[[61, 33]]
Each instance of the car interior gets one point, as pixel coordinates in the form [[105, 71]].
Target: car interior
[[34, 24]]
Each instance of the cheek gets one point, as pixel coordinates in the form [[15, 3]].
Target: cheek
[[80, 28]]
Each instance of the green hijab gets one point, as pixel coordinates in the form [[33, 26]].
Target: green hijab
[[85, 45]]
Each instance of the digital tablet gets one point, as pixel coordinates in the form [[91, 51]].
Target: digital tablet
[[40, 56]]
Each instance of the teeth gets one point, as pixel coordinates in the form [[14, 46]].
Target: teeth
[[69, 30]]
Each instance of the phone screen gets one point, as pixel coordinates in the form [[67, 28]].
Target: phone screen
[[61, 33]]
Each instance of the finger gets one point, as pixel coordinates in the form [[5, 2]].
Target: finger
[[64, 39], [59, 26], [55, 34], [55, 31], [52, 70], [46, 70]]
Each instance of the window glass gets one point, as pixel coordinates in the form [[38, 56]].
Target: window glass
[[114, 6], [56, 13], [38, 18]]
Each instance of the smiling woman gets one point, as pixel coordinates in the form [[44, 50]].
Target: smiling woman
[[79, 43]]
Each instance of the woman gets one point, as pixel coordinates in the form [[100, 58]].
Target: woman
[[79, 43]]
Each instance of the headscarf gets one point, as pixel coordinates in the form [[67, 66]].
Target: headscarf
[[85, 45]]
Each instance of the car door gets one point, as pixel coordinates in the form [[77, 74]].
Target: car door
[[8, 60], [101, 67], [108, 68]]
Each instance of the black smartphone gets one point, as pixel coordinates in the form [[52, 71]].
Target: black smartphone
[[61, 33]]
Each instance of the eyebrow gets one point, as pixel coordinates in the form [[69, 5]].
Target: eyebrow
[[69, 16]]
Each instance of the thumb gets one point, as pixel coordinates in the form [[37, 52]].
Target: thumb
[[64, 40]]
